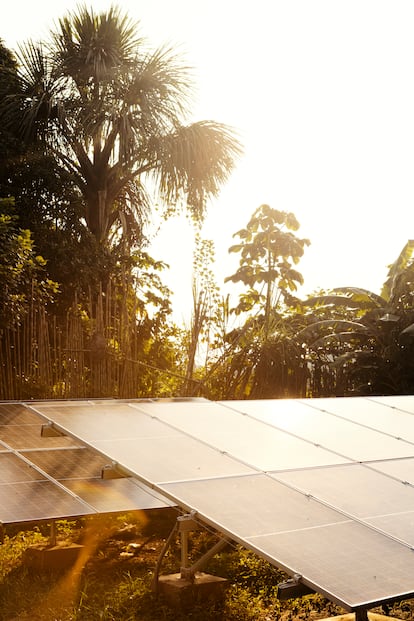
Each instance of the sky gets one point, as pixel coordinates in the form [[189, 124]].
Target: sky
[[321, 93]]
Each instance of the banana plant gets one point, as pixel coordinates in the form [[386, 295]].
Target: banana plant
[[360, 339]]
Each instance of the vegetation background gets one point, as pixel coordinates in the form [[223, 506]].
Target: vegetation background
[[114, 582], [96, 150]]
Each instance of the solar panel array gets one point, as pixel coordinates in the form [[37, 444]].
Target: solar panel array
[[322, 488], [44, 478]]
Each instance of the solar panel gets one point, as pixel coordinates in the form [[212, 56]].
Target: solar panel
[[315, 486], [23, 437], [381, 414], [73, 463], [134, 440], [401, 402], [261, 445], [16, 414], [352, 489], [15, 470], [116, 495], [43, 478], [253, 506], [314, 421], [348, 562], [29, 501], [401, 469]]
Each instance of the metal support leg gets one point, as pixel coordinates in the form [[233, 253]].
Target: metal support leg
[[52, 538], [184, 525], [188, 573], [161, 556], [361, 615], [184, 548]]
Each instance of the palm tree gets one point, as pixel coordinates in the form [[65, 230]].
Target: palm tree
[[113, 113]]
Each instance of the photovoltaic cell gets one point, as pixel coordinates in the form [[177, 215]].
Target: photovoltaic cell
[[254, 443], [114, 495], [352, 489], [345, 437], [78, 463], [15, 470], [38, 500]]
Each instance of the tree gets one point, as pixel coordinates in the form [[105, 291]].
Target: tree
[[10, 146], [113, 113], [22, 279], [262, 358], [269, 250], [46, 203]]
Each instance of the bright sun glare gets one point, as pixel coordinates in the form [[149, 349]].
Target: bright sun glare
[[322, 95]]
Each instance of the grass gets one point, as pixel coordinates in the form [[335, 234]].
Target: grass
[[112, 580]]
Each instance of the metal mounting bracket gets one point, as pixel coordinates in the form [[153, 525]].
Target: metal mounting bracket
[[292, 588], [184, 525]]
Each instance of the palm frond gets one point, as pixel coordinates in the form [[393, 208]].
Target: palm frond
[[341, 337], [402, 263], [335, 301], [94, 45], [363, 358], [160, 86], [195, 161], [36, 101], [331, 325]]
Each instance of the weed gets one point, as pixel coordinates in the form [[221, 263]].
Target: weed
[[113, 583]]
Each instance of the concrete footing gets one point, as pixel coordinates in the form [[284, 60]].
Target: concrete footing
[[181, 593], [57, 557]]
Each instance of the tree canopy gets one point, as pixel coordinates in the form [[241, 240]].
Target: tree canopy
[[113, 113]]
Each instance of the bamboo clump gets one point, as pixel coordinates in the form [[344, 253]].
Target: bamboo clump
[[91, 354]]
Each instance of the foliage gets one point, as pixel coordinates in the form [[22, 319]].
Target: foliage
[[268, 251], [206, 316], [94, 130], [262, 358], [21, 271], [10, 146], [358, 342], [255, 367], [112, 112], [114, 584]]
